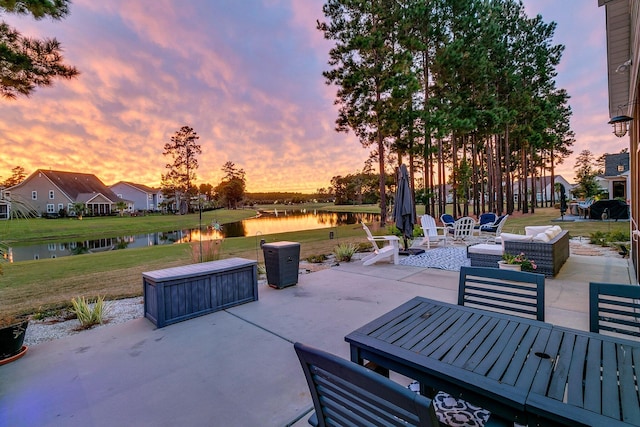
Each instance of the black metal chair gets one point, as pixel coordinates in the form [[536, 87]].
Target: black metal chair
[[614, 308], [513, 292], [345, 393]]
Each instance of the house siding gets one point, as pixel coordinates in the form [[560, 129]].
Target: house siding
[[58, 188], [143, 198], [38, 182]]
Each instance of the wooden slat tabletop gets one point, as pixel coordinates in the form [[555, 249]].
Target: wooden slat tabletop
[[520, 369], [593, 380], [481, 356]]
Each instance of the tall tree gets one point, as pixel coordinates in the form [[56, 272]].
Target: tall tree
[[27, 63], [17, 176], [365, 62], [176, 183], [586, 175], [232, 188]]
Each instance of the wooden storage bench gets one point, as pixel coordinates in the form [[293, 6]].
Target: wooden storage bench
[[175, 294]]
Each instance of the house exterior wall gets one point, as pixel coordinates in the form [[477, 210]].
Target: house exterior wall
[[545, 188], [49, 199], [142, 200], [634, 136], [623, 42]]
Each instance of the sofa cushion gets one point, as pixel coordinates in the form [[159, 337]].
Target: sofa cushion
[[485, 248], [541, 237], [533, 230], [551, 233], [509, 236]]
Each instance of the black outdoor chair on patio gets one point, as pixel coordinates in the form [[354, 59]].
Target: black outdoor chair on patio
[[345, 393], [513, 292], [614, 308]]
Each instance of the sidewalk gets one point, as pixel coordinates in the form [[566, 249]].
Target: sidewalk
[[237, 367]]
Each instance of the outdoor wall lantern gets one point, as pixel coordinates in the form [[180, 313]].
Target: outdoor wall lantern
[[620, 125]]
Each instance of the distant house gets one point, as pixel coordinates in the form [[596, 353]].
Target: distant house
[[49, 192], [5, 206], [142, 197], [616, 177], [545, 188]]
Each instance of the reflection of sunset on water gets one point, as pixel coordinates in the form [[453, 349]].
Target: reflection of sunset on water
[[275, 222], [267, 223]]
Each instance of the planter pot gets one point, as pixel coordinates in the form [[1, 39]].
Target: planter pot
[[505, 266], [11, 339]]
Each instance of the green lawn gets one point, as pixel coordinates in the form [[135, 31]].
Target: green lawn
[[29, 286]]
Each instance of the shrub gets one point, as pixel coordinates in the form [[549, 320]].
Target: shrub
[[316, 259], [605, 239], [89, 314], [344, 251], [363, 246], [598, 238]]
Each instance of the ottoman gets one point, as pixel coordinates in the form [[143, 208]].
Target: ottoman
[[484, 255]]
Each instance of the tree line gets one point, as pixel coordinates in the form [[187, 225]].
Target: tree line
[[464, 92]]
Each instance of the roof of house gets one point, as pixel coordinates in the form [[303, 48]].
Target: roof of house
[[140, 187], [75, 184], [612, 161], [544, 181]]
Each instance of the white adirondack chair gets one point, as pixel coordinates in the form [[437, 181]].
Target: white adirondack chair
[[384, 248], [430, 231]]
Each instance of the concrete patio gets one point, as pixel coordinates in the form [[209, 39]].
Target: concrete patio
[[237, 367]]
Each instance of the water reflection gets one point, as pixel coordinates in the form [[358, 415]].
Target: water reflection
[[269, 222]]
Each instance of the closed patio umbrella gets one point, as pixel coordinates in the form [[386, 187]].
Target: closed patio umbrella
[[403, 212]]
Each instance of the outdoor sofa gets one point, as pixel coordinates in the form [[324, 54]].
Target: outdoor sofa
[[549, 252]]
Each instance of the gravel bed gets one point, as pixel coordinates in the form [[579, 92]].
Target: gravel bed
[[118, 311]]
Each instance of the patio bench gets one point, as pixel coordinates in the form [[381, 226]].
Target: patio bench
[[175, 294]]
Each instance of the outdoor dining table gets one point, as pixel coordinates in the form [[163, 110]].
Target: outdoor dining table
[[522, 370]]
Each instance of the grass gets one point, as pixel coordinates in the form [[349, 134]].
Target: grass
[[29, 286]]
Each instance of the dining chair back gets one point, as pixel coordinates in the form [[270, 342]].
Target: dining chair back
[[514, 292], [345, 393], [614, 308]]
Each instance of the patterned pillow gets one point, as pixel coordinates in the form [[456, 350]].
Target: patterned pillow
[[457, 412]]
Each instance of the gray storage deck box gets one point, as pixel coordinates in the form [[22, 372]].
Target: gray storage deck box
[[282, 260], [180, 293]]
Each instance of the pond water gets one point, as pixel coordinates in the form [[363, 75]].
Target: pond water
[[268, 222]]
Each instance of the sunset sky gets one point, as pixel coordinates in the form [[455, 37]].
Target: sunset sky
[[246, 75]]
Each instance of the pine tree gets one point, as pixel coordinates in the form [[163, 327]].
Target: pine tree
[[26, 62], [177, 182]]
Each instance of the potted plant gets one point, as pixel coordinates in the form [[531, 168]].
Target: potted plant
[[12, 330], [517, 262]]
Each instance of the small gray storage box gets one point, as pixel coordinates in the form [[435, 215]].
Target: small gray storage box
[[180, 293], [282, 260]]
